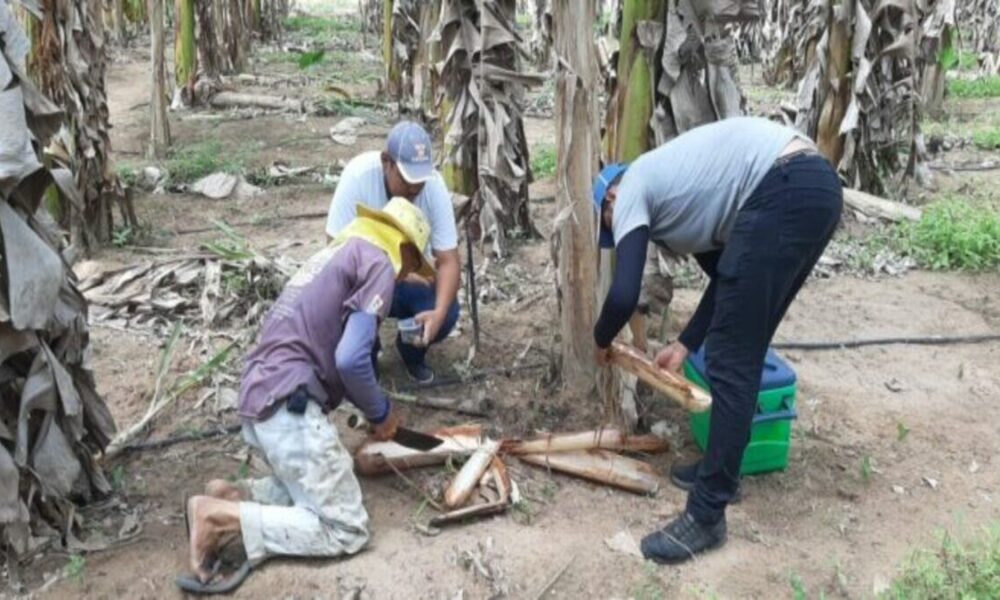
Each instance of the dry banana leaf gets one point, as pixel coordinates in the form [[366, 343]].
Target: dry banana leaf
[[52, 422]]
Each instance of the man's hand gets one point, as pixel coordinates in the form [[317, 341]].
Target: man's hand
[[432, 322], [672, 357], [602, 356], [385, 430]]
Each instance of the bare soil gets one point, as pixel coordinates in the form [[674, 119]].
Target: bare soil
[[837, 525]]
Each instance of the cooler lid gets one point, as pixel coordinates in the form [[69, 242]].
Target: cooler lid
[[777, 373]]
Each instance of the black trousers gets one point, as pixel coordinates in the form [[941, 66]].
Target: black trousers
[[779, 234]]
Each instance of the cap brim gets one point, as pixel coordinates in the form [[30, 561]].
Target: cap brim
[[426, 268], [415, 173]]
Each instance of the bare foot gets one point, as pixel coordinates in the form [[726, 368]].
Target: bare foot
[[210, 519], [222, 489]]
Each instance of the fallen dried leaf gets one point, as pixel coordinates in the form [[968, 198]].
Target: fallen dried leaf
[[624, 543]]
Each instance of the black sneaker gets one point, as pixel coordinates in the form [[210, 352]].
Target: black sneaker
[[420, 373], [681, 539], [684, 476]]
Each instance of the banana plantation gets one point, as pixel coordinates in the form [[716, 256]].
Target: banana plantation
[[184, 256]]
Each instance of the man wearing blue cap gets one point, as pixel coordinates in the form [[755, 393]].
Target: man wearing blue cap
[[406, 168], [756, 204]]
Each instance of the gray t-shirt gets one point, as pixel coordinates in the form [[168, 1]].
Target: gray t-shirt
[[689, 190], [301, 332]]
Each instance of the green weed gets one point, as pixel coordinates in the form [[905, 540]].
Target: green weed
[[232, 246], [128, 175], [953, 234], [310, 59], [118, 478], [901, 431], [543, 162], [798, 588], [523, 512], [122, 236], [866, 469], [320, 28], [75, 567], [987, 139], [981, 87], [954, 570], [190, 163], [967, 61]]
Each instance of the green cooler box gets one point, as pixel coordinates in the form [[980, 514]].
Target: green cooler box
[[772, 425]]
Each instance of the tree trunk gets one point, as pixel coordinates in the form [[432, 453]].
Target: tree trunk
[[541, 33], [393, 74], [70, 69], [208, 48], [938, 53], [236, 36], [628, 120], [577, 151], [159, 125], [460, 121], [135, 11], [185, 63], [117, 20], [425, 78], [858, 98]]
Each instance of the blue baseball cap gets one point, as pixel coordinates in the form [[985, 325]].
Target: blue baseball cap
[[409, 146], [602, 182]]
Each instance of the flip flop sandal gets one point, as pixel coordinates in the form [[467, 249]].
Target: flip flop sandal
[[230, 583]]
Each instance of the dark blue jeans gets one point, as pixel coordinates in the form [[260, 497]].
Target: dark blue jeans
[[409, 300], [778, 237]]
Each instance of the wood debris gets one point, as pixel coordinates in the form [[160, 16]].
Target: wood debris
[[607, 439], [873, 206], [601, 466], [468, 477], [672, 386], [378, 458], [240, 100], [586, 454]]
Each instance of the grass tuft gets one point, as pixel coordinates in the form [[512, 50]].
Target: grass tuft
[[543, 161], [952, 234], [190, 163], [981, 87], [954, 570], [320, 28]]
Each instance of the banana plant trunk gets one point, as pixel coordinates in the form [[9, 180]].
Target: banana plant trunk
[[393, 73], [159, 136], [627, 129], [185, 56], [575, 247], [208, 47], [70, 69], [425, 77]]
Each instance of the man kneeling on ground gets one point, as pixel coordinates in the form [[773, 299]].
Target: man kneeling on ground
[[315, 350]]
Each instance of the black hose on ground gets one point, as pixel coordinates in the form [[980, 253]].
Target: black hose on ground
[[931, 340]]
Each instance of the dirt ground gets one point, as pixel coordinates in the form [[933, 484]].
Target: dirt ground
[[893, 444]]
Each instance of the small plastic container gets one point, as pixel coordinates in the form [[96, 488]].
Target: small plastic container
[[410, 331]]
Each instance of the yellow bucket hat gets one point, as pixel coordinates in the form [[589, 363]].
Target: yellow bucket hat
[[403, 216]]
